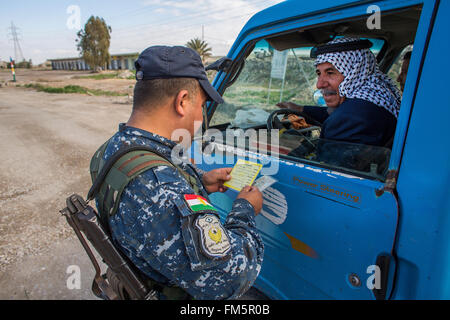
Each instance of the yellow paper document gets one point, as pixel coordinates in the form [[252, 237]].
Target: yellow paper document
[[243, 174]]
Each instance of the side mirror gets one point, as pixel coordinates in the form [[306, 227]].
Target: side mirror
[[220, 65]]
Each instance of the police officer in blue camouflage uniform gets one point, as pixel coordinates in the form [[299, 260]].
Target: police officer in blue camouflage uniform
[[169, 231]]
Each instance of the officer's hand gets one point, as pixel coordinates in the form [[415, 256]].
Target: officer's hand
[[213, 180], [290, 105], [252, 195]]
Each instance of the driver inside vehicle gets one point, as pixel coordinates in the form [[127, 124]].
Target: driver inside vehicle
[[363, 103]]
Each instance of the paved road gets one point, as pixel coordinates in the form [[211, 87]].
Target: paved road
[[47, 141]]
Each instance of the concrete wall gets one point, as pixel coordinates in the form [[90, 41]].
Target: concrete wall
[[116, 63]]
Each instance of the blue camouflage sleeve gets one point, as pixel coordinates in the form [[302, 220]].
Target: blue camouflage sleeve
[[161, 223]]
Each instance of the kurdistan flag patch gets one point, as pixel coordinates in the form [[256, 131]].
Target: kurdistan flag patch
[[198, 203]]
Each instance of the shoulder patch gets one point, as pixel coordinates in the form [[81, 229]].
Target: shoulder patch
[[197, 203], [214, 239]]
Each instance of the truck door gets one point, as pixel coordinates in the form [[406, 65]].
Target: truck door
[[329, 227]]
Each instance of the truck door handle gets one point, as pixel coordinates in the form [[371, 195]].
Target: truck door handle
[[383, 262]]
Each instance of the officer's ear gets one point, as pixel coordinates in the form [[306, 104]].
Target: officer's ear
[[181, 103]]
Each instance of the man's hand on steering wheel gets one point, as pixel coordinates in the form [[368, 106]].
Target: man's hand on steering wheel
[[292, 108]]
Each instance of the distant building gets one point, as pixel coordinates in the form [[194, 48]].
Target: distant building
[[124, 61]]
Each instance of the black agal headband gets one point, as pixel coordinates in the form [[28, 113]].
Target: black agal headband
[[339, 47]]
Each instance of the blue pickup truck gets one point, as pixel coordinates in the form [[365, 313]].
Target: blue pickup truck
[[374, 228]]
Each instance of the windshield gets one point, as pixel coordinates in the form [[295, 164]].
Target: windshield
[[269, 77]]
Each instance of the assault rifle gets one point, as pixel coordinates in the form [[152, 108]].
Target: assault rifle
[[121, 281]]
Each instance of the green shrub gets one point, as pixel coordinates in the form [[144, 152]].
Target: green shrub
[[73, 89], [100, 76]]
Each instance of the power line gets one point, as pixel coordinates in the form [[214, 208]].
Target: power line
[[135, 12], [163, 35], [18, 54], [187, 17], [119, 33], [187, 27], [157, 22]]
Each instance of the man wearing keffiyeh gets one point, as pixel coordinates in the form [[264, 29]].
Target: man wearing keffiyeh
[[363, 103]]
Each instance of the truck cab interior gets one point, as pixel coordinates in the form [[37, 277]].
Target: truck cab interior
[[253, 91], [398, 30]]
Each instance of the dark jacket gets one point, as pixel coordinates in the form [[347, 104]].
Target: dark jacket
[[357, 121]]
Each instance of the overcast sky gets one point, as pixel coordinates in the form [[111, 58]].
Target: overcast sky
[[47, 29]]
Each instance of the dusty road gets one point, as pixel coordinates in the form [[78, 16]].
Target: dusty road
[[46, 142], [61, 78]]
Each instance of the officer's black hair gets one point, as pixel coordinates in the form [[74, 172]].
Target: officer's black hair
[[149, 94]]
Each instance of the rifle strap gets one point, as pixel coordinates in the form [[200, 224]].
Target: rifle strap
[[111, 177]]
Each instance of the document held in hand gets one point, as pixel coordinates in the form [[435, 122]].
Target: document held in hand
[[243, 174], [264, 182]]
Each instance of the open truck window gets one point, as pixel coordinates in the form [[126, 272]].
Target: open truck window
[[279, 69], [396, 69]]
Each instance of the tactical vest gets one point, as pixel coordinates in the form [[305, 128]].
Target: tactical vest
[[109, 179]]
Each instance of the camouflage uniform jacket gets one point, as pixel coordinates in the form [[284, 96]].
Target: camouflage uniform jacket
[[158, 229]]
